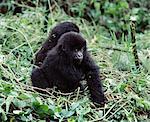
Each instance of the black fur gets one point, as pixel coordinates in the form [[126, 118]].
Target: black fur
[[51, 41], [58, 68]]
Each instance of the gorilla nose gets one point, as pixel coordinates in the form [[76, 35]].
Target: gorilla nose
[[80, 55]]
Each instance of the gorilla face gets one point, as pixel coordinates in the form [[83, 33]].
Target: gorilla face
[[74, 46], [78, 55]]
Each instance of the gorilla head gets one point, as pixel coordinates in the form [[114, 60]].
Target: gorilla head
[[73, 45], [62, 28]]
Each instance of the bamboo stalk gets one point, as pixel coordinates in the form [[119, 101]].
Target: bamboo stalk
[[133, 40]]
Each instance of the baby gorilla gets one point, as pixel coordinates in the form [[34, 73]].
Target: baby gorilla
[[51, 41], [66, 65]]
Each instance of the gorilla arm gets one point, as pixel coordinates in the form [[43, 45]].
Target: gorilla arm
[[93, 80]]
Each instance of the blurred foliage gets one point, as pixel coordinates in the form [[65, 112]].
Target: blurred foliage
[[112, 14]]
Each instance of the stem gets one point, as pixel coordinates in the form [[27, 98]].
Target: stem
[[134, 48]]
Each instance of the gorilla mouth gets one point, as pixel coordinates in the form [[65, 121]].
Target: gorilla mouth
[[77, 61]]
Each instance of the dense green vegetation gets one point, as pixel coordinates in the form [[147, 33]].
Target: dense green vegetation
[[126, 88]]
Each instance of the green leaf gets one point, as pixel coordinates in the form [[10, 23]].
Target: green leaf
[[24, 96], [42, 110], [17, 112], [66, 113], [19, 103], [82, 110], [3, 114], [71, 119], [1, 101], [74, 105], [8, 102]]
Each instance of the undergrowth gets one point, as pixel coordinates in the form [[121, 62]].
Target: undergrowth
[[127, 89]]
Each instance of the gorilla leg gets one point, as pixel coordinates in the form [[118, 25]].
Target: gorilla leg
[[39, 80]]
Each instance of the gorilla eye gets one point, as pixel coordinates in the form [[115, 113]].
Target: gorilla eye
[[53, 35], [76, 50]]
